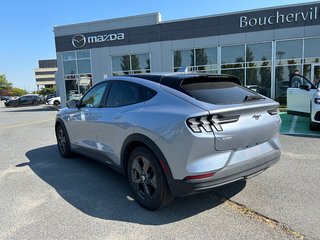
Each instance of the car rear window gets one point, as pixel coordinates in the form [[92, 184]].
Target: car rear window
[[219, 92]]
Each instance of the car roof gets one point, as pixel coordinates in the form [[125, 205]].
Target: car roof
[[177, 80]]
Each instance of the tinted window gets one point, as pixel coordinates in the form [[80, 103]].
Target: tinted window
[[94, 96], [147, 93], [125, 93], [220, 92]]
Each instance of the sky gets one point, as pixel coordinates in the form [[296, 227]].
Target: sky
[[26, 26]]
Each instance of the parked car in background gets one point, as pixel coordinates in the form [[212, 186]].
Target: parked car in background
[[29, 99], [303, 98], [5, 98], [173, 134], [49, 96], [55, 101]]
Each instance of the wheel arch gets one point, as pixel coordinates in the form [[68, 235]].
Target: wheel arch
[[136, 140]]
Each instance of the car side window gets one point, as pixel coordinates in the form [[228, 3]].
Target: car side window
[[94, 97], [123, 93]]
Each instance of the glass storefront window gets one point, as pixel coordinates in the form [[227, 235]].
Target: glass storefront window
[[235, 72], [232, 54], [77, 73], [83, 54], [84, 66], [312, 50], [135, 63], [200, 59], [259, 79], [69, 67], [282, 75], [68, 56], [116, 63], [259, 52], [205, 56], [289, 49], [144, 62], [183, 58]]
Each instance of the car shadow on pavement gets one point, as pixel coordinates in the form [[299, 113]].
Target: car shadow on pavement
[[101, 192]]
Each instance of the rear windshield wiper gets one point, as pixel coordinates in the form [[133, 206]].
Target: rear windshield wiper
[[252, 97]]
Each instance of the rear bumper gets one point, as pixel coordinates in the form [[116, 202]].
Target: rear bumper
[[226, 175]]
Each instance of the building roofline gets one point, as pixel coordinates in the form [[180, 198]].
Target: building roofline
[[157, 14], [239, 12], [57, 27]]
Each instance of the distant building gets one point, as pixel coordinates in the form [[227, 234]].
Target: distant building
[[45, 74]]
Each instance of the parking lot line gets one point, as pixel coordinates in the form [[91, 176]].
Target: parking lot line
[[296, 125], [293, 124], [26, 124]]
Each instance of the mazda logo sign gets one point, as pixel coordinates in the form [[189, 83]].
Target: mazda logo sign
[[78, 41]]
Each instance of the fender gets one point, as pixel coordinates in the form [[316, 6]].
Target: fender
[[137, 139]]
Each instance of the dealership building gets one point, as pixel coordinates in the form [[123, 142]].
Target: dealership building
[[262, 47]]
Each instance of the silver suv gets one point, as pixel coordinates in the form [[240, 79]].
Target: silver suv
[[174, 134]]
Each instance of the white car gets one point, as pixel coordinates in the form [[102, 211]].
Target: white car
[[56, 101], [303, 98]]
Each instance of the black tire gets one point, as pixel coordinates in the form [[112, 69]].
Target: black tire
[[35, 103], [56, 103], [13, 105], [63, 142], [147, 180]]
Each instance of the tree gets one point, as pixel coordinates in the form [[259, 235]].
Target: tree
[[201, 58], [125, 64], [177, 59], [17, 91], [46, 91], [148, 67], [135, 63], [265, 74], [252, 73], [4, 84]]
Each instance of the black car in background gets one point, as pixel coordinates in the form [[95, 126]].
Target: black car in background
[[29, 99], [5, 98]]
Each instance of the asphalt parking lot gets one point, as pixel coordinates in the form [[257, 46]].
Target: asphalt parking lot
[[43, 196]]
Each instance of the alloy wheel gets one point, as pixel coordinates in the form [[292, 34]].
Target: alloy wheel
[[144, 177]]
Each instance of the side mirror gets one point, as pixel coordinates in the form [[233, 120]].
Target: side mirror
[[72, 103], [304, 87]]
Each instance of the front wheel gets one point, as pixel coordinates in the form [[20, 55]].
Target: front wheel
[[147, 180], [63, 142]]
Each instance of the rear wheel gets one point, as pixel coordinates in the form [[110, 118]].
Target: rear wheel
[[147, 180], [13, 104], [35, 103], [56, 103], [63, 142]]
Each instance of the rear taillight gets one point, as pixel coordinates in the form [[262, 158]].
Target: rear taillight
[[273, 111], [210, 122], [201, 176]]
